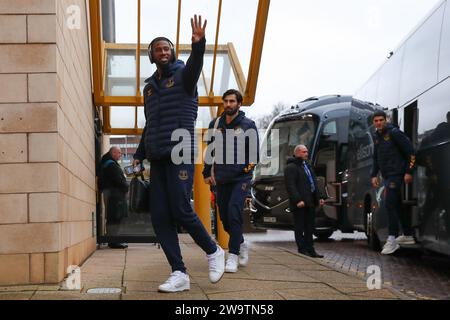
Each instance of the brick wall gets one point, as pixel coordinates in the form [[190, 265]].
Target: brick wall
[[47, 166]]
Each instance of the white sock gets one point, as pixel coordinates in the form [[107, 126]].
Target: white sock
[[391, 238]]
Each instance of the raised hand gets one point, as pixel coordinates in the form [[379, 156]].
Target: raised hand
[[198, 32]]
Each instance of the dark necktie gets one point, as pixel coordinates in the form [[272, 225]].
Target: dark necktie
[[310, 178]]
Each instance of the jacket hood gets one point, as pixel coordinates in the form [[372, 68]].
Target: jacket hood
[[173, 67]]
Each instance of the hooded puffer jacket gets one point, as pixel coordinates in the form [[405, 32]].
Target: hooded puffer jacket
[[171, 103]]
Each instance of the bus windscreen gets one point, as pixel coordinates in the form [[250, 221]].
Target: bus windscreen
[[280, 142]]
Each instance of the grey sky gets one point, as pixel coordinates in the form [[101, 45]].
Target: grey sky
[[312, 47], [322, 47]]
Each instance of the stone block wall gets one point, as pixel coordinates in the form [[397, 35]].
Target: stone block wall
[[47, 164]]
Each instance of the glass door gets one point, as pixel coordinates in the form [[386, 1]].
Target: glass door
[[116, 221]]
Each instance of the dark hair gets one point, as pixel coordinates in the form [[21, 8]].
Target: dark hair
[[235, 92], [379, 113], [448, 116], [158, 39]]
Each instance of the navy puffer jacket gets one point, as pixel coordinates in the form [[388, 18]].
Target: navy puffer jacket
[[393, 153], [171, 103]]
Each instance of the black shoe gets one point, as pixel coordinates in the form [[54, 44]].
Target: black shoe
[[314, 254], [118, 245], [303, 251]]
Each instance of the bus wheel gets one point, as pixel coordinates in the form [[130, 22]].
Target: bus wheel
[[323, 235], [372, 237]]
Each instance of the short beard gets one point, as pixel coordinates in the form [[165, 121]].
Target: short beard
[[231, 113]]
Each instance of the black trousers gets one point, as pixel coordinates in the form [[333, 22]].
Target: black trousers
[[393, 203], [304, 227], [115, 209]]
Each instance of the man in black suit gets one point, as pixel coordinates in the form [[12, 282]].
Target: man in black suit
[[113, 184], [304, 196]]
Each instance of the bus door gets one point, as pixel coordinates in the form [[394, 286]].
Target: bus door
[[325, 168], [409, 193]]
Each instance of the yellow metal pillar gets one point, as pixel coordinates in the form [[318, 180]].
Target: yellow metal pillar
[[202, 194], [222, 236], [202, 197]]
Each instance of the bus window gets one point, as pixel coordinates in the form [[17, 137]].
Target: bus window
[[330, 128], [444, 59], [325, 168], [392, 117], [325, 164], [420, 61], [410, 129], [389, 85], [290, 134], [272, 151], [410, 125], [326, 161]]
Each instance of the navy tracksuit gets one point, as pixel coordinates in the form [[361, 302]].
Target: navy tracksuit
[[233, 179], [394, 157], [230, 200], [171, 103], [171, 188]]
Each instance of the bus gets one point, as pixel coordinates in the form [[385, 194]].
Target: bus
[[321, 124], [413, 85]]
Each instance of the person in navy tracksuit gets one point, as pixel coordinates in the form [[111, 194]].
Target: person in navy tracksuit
[[231, 172], [394, 157], [170, 104]]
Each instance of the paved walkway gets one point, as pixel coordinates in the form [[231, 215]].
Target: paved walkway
[[422, 275], [273, 274]]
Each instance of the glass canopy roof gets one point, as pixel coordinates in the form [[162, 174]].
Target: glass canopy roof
[[122, 29]]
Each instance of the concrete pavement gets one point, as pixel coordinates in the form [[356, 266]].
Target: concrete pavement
[[272, 274]]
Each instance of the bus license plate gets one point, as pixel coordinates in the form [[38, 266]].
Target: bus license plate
[[270, 219]]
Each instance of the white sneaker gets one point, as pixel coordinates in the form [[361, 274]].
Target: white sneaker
[[178, 281], [390, 247], [232, 263], [243, 254], [405, 240], [216, 262]]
